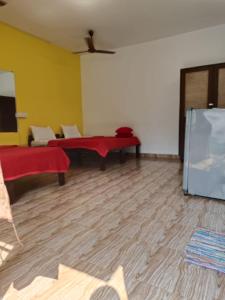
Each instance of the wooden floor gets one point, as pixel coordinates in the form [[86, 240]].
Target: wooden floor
[[118, 234]]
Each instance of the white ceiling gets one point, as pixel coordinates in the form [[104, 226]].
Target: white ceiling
[[117, 23]]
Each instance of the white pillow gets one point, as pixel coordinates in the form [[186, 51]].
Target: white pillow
[[70, 131], [39, 143], [41, 134]]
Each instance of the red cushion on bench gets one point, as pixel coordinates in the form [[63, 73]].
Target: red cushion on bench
[[125, 130]]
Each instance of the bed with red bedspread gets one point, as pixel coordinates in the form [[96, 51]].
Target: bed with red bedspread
[[18, 162], [100, 144]]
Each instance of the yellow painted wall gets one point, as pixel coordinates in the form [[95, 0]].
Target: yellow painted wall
[[48, 83]]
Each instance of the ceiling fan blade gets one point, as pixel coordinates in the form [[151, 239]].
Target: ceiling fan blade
[[3, 3], [91, 47], [80, 52], [90, 44], [105, 52]]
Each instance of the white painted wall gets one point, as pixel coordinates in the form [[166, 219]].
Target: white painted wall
[[7, 84], [139, 86]]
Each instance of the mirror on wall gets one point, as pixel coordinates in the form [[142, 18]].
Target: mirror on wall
[[8, 121]]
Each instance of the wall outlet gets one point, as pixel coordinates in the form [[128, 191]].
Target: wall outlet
[[22, 115]]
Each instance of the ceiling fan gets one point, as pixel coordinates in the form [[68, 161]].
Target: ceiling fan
[[91, 47], [2, 3]]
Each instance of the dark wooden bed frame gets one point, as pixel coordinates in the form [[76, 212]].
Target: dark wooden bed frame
[[10, 185], [103, 160], [122, 157]]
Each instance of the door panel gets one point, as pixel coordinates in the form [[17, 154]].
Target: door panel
[[221, 88], [196, 89]]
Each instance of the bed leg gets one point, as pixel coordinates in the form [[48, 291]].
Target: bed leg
[[61, 178], [122, 156], [137, 151], [79, 158], [103, 164], [11, 191]]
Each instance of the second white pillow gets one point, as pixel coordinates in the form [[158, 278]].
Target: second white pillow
[[70, 131]]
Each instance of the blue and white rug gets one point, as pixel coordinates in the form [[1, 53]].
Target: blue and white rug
[[206, 249]]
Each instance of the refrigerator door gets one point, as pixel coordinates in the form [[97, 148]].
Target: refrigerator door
[[204, 171]]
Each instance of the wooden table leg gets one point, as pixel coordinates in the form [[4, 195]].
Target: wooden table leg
[[11, 191], [61, 178], [122, 156], [79, 157], [103, 163], [137, 151]]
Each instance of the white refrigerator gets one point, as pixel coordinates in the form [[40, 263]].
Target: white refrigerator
[[204, 158]]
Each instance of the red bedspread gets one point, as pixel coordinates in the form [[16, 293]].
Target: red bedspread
[[102, 145], [22, 161]]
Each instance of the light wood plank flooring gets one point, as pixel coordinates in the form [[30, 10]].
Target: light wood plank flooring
[[118, 234]]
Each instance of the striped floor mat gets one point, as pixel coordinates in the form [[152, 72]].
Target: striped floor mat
[[206, 249]]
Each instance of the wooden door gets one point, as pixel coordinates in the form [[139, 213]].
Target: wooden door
[[194, 94], [196, 89], [221, 87], [200, 87]]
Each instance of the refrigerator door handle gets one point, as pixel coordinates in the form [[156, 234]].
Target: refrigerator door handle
[[187, 150]]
